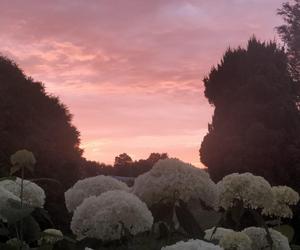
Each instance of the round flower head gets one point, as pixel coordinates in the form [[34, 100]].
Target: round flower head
[[192, 245], [171, 178], [5, 207], [51, 236], [109, 215], [259, 240], [218, 234], [236, 241], [33, 194], [283, 197], [254, 191], [93, 186], [23, 158]]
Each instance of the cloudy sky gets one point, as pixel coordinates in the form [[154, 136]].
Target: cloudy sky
[[131, 70]]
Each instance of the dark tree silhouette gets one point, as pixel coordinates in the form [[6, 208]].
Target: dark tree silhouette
[[255, 126], [34, 120], [124, 166], [290, 35]]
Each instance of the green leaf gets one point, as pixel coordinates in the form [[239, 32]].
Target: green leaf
[[69, 239], [261, 222], [162, 212], [12, 178], [286, 230], [31, 229], [187, 220], [15, 213]]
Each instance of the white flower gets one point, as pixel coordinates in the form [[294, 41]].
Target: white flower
[[218, 235], [33, 194], [236, 241], [23, 158], [259, 239], [107, 216], [171, 178], [5, 207], [51, 236], [14, 243], [93, 186], [283, 197], [254, 191], [192, 245]]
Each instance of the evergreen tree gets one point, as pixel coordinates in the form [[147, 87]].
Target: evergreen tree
[[34, 120], [290, 34], [255, 126]]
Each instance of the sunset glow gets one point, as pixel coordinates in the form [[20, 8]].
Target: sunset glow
[[131, 71]]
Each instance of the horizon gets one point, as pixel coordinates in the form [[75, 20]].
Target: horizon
[[131, 73]]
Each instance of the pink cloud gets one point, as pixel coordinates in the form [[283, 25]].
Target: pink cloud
[[131, 70]]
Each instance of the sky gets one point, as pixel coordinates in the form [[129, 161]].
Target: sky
[[130, 71]]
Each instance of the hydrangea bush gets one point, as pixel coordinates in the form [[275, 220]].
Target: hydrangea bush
[[93, 186], [259, 240], [192, 245], [171, 179], [254, 191], [109, 216], [284, 197], [236, 241], [33, 194]]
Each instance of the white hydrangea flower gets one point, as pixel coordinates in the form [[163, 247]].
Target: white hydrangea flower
[[14, 243], [218, 235], [4, 205], [171, 178], [105, 217], [192, 245], [254, 191], [23, 158], [51, 236], [259, 239], [33, 194], [236, 241], [93, 186], [283, 197]]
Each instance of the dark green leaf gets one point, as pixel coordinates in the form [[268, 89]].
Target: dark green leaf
[[15, 213], [31, 229], [187, 220]]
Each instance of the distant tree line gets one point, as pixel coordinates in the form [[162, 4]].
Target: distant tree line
[[123, 166]]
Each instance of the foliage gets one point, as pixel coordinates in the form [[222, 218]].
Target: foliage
[[39, 122], [290, 35], [255, 126]]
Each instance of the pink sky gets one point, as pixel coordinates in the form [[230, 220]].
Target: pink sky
[[131, 70]]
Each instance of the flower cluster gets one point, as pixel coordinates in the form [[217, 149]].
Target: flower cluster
[[110, 215], [23, 158], [254, 191], [216, 234], [51, 236], [192, 245], [259, 240], [33, 194], [236, 241], [5, 196], [283, 197], [93, 186], [171, 179]]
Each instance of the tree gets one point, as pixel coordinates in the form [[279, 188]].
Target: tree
[[290, 35], [255, 126], [34, 120], [122, 160]]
